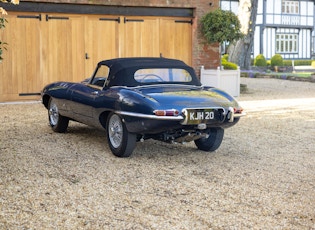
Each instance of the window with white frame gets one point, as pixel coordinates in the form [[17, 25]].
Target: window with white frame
[[230, 5], [286, 43], [290, 7]]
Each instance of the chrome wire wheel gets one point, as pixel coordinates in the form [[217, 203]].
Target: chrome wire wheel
[[53, 114], [120, 141], [115, 131], [57, 122]]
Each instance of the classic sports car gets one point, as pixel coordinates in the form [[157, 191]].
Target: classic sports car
[[135, 99]]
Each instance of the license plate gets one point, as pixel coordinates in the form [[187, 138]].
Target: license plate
[[197, 116]]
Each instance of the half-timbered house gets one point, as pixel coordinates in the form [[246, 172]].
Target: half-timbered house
[[283, 27]]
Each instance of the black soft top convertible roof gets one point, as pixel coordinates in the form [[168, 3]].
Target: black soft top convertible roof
[[122, 69], [142, 62]]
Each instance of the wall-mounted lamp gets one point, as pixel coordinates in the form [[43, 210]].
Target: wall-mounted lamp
[[210, 4]]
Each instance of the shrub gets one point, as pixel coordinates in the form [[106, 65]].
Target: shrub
[[3, 21], [228, 65], [260, 60], [276, 60], [225, 57]]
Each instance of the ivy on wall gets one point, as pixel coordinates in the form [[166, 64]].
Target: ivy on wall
[[3, 21]]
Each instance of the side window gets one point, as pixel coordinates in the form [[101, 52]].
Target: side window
[[100, 76]]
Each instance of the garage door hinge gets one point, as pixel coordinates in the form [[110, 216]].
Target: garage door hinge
[[132, 20], [110, 19], [57, 18], [31, 16], [184, 21]]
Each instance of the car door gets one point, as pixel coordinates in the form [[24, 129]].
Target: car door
[[82, 100], [84, 95]]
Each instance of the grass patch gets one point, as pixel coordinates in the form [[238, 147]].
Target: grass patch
[[280, 75], [299, 74]]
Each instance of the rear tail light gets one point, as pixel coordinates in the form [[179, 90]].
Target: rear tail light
[[168, 112], [238, 110]]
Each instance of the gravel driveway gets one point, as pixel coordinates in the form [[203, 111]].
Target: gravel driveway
[[262, 176]]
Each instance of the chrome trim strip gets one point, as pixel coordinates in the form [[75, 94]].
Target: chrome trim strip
[[141, 115], [218, 107], [167, 85], [239, 114], [170, 118], [159, 85]]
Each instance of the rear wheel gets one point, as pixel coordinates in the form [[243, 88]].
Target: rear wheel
[[121, 142], [212, 142], [57, 122]]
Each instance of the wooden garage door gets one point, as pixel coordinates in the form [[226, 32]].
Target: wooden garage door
[[44, 48], [62, 49], [169, 37], [19, 70], [176, 39], [140, 37], [101, 40]]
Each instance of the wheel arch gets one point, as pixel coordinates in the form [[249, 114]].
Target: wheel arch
[[45, 100], [103, 118]]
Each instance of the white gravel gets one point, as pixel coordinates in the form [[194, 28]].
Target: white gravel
[[262, 176]]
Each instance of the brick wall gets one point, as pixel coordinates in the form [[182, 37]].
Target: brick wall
[[203, 54]]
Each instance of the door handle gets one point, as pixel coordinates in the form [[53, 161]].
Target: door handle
[[87, 56]]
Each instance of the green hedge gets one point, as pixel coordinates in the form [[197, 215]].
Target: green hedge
[[297, 62], [302, 62]]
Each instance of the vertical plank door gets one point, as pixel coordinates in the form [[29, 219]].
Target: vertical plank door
[[141, 37], [20, 70], [63, 53], [101, 40], [176, 39]]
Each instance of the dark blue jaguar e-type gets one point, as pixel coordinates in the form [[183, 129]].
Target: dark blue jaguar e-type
[[135, 99]]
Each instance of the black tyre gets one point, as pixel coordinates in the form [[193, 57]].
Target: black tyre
[[57, 122], [121, 142], [212, 142]]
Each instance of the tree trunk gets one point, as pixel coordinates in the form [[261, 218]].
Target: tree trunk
[[240, 52]]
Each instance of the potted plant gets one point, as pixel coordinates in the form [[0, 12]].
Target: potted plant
[[221, 26]]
